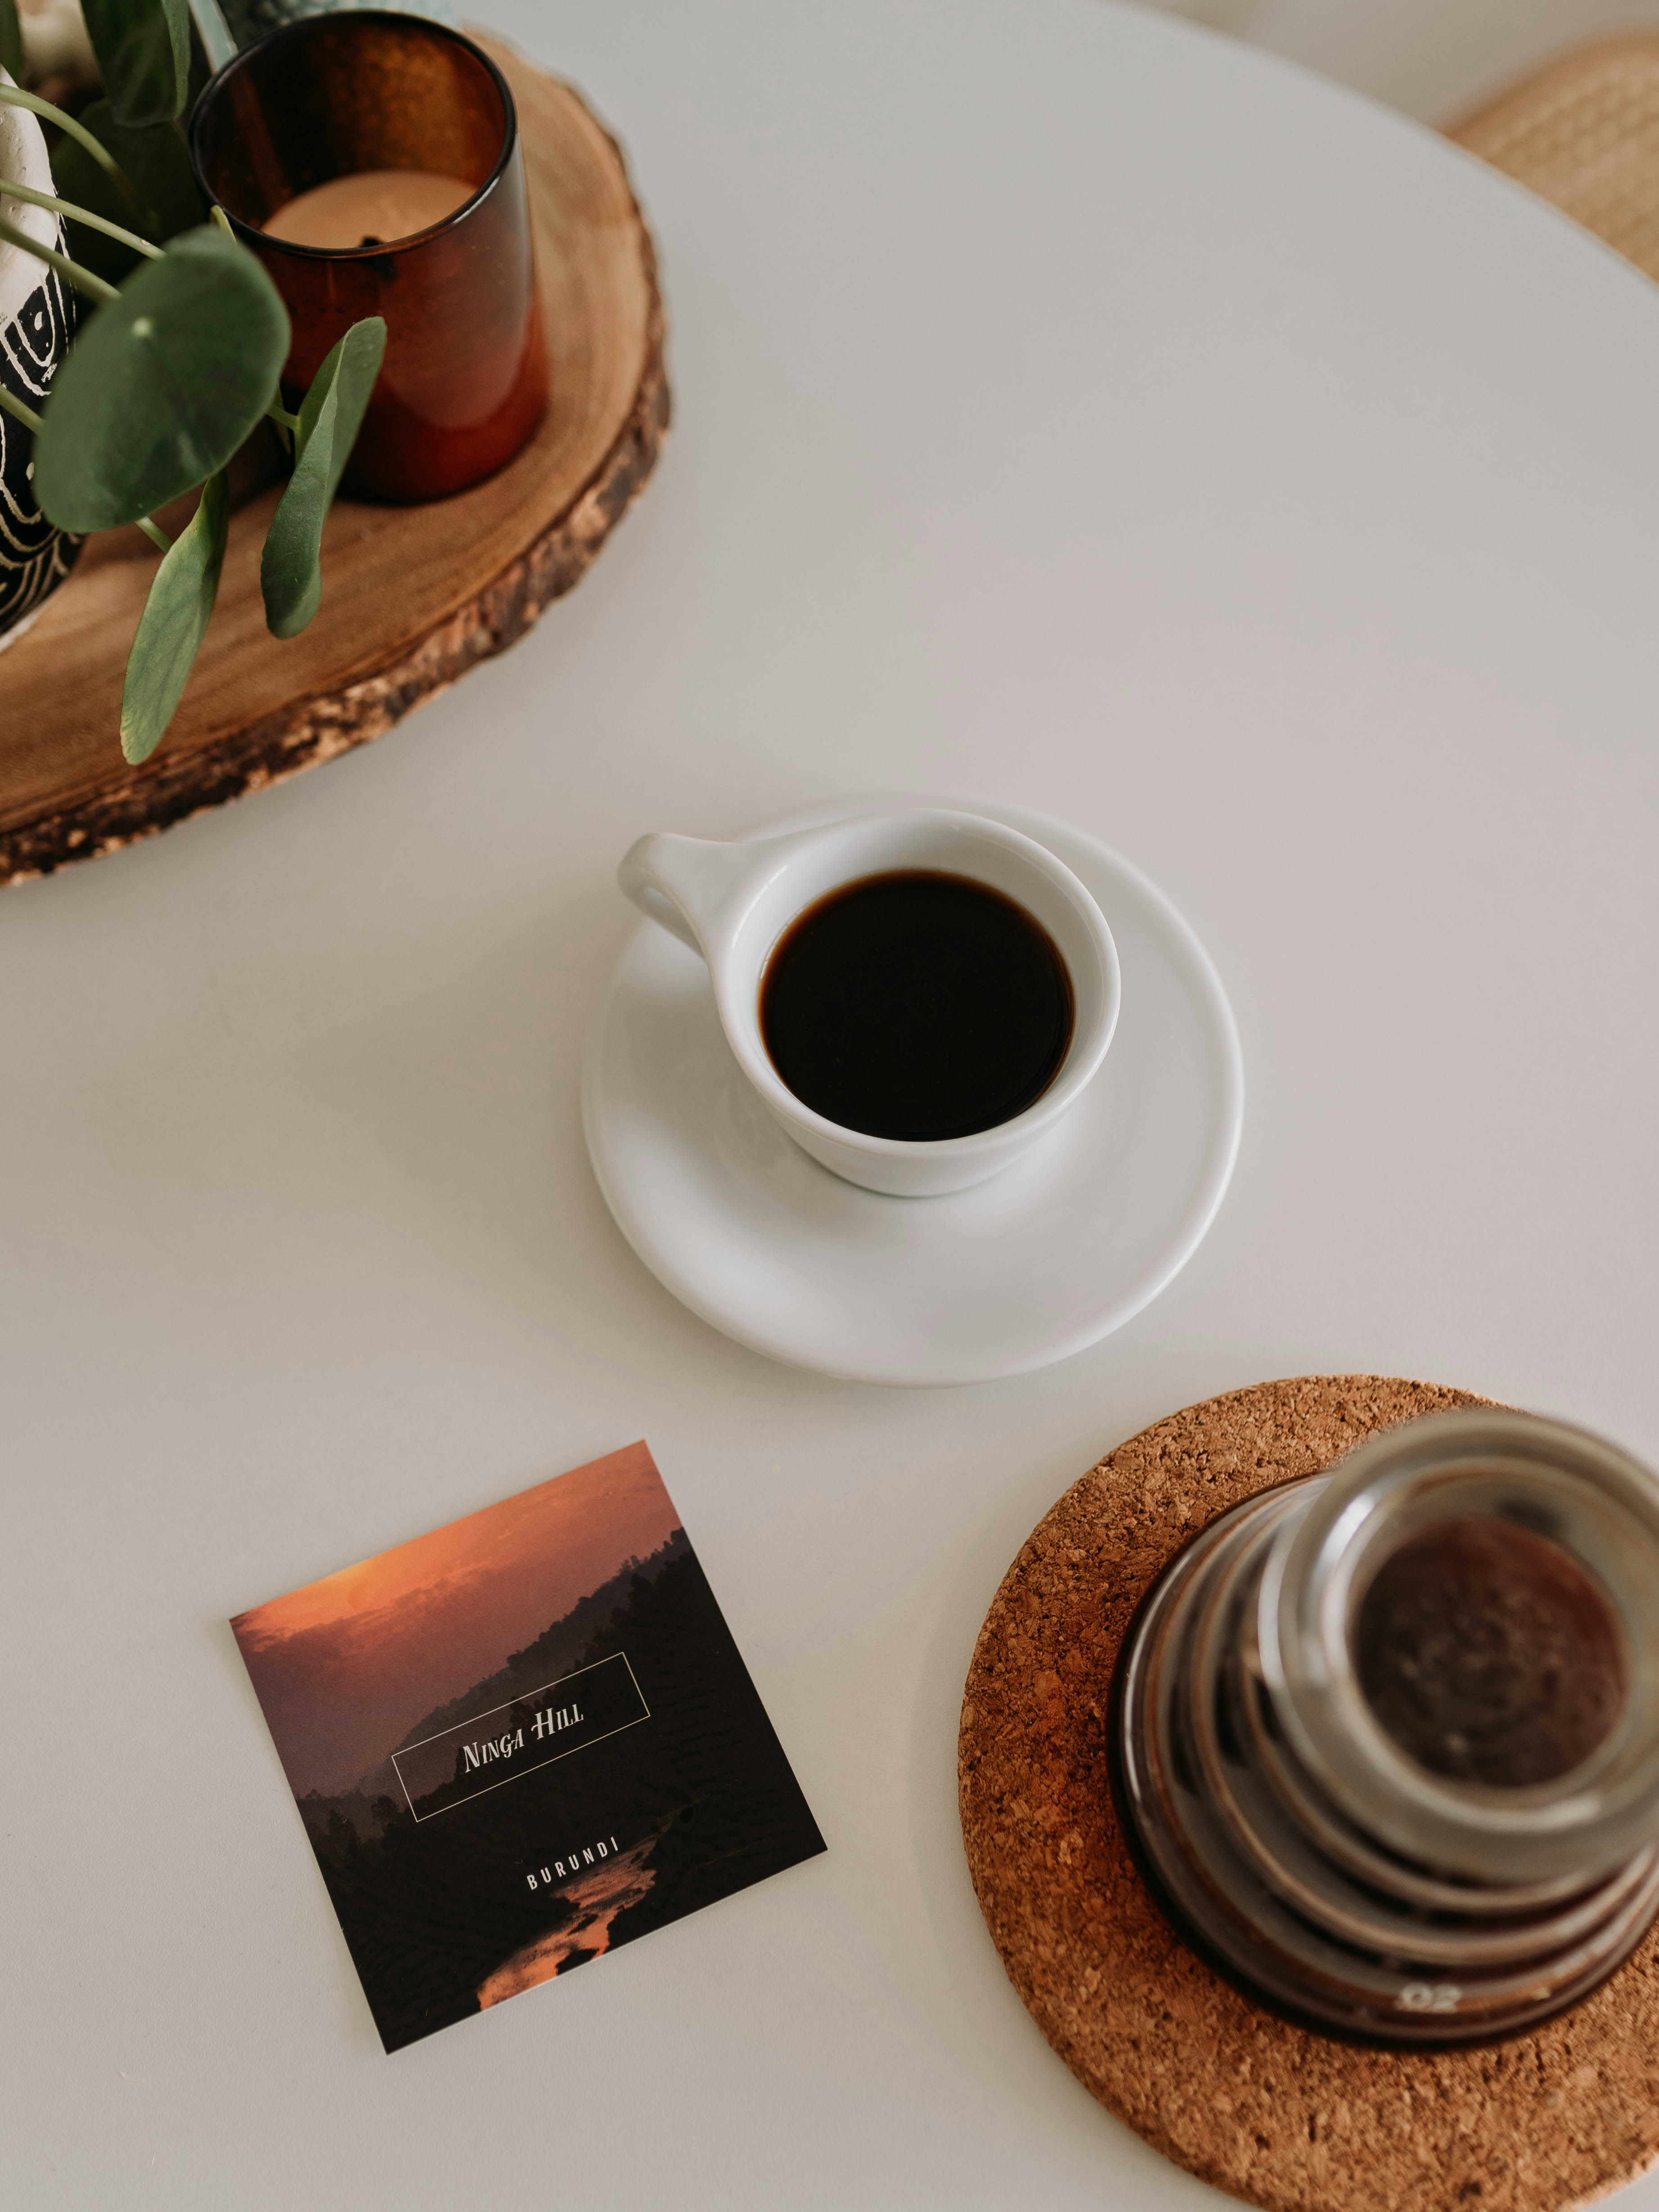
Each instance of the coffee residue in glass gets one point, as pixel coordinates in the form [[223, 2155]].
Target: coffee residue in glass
[[1490, 1655]]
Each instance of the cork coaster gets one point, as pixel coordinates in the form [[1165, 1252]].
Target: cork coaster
[[1279, 2116]]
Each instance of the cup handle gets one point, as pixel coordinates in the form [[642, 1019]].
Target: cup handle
[[680, 883]]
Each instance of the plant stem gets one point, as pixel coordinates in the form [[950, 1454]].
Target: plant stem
[[25, 416], [12, 96], [155, 534], [214, 31], [12, 191], [82, 279]]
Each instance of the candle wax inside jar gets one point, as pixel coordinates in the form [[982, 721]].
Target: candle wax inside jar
[[371, 207]]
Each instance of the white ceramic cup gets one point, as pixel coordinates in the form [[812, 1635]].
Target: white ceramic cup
[[732, 903]]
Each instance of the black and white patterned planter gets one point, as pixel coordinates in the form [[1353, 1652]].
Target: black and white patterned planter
[[37, 319]]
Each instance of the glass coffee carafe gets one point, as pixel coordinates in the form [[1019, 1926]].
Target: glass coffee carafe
[[1386, 1740]]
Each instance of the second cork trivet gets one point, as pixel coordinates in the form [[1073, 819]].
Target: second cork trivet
[[1278, 2116]]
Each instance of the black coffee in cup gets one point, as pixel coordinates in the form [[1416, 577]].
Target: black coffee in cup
[[917, 1006]]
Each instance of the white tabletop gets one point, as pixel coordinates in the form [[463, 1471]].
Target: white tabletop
[[1070, 408]]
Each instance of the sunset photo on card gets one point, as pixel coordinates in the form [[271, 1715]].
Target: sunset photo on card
[[521, 1740]]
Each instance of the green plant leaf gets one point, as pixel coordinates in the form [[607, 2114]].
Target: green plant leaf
[[161, 385], [157, 162], [174, 624], [143, 56], [11, 41], [290, 569]]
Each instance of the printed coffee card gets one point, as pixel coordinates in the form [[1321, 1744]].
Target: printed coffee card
[[521, 1740]]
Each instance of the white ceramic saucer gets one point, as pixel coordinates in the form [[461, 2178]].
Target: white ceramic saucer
[[1044, 1259]]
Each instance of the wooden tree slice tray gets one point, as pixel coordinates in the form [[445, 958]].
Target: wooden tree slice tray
[[1274, 2113], [412, 596]]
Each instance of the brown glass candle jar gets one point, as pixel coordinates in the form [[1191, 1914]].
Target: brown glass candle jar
[[464, 380], [1386, 1741]]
